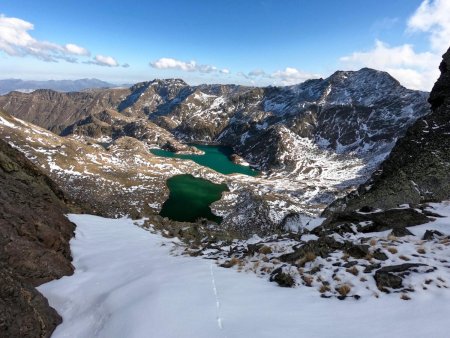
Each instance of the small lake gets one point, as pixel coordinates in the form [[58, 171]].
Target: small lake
[[190, 199], [214, 157]]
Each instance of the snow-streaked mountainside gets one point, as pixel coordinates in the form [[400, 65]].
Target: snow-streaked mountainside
[[127, 284], [314, 141], [9, 85]]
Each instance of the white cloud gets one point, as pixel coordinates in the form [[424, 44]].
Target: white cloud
[[290, 76], [190, 66], [15, 40], [416, 70], [413, 70], [106, 61], [76, 50], [433, 17], [286, 77], [169, 63], [102, 60]]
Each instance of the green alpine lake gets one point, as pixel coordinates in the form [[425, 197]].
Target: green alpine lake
[[214, 157], [190, 199]]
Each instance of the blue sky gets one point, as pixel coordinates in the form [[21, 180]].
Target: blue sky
[[230, 41]]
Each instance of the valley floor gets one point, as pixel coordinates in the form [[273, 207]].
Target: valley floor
[[127, 284]]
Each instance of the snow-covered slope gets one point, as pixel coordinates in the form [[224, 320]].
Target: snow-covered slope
[[126, 284]]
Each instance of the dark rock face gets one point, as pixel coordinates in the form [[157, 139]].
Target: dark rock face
[[34, 245], [418, 168], [401, 232], [392, 276], [387, 280], [395, 219], [283, 279], [323, 247], [431, 234], [24, 312]]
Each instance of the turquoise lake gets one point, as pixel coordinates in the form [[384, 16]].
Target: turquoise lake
[[190, 199], [215, 157]]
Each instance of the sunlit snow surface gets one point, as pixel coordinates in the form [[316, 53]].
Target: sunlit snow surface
[[126, 284]]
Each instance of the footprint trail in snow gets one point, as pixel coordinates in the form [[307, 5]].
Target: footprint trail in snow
[[213, 281]]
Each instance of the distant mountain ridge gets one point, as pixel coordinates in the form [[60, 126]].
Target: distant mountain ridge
[[9, 85]]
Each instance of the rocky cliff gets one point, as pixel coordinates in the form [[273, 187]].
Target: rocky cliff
[[34, 245]]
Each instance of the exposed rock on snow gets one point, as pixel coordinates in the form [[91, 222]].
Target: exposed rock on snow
[[339, 260]]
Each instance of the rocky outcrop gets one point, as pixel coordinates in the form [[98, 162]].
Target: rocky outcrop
[[374, 221], [250, 215], [34, 245], [418, 168]]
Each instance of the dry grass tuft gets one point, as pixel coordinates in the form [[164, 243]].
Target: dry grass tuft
[[234, 261], [353, 270], [343, 289], [392, 250], [308, 257], [324, 288], [265, 250], [404, 258], [392, 238], [373, 242], [308, 279], [267, 269], [369, 257], [421, 250], [404, 296], [445, 241]]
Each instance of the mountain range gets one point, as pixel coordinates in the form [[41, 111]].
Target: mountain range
[[9, 85], [313, 142]]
